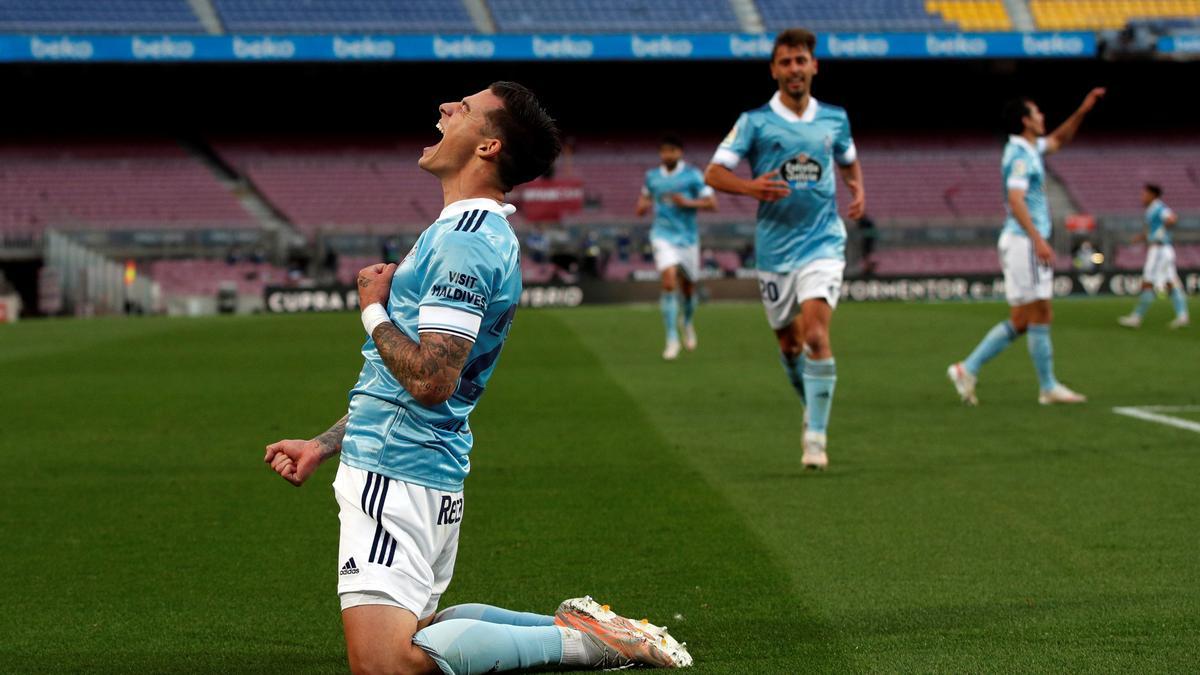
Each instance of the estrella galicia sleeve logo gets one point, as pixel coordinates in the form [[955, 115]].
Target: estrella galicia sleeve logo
[[801, 172]]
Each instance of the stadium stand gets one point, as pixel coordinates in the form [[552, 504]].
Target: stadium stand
[[111, 185], [1107, 14], [206, 277], [945, 260], [613, 15], [110, 16], [1105, 177], [1132, 257], [325, 16], [361, 185], [972, 15], [836, 15]]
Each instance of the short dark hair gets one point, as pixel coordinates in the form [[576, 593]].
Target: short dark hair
[[1015, 112], [1154, 189], [795, 37], [529, 138], [671, 140]]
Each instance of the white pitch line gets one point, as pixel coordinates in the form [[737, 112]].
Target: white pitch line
[[1142, 414]]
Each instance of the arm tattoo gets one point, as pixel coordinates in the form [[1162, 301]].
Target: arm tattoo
[[331, 440], [428, 369]]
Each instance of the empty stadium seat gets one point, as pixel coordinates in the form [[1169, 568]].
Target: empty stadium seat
[[1106, 14], [109, 16], [366, 16], [838, 15], [613, 15]]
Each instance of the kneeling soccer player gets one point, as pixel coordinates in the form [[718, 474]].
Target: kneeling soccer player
[[437, 323]]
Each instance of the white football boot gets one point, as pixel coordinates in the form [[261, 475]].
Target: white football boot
[[814, 451], [1130, 321], [964, 383], [689, 337], [672, 351], [1060, 393], [1179, 322], [639, 642]]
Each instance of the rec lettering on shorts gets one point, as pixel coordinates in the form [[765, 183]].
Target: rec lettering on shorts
[[451, 511]]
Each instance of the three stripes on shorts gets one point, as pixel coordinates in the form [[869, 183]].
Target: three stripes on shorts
[[373, 497]]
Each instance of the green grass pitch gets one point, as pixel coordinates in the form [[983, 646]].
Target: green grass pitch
[[142, 533]]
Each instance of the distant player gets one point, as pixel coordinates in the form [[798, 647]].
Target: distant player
[[1025, 255], [796, 145], [676, 190], [437, 323], [1159, 271]]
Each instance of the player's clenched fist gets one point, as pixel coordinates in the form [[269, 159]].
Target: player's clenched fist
[[375, 284], [294, 460]]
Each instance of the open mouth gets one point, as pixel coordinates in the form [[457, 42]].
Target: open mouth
[[441, 132]]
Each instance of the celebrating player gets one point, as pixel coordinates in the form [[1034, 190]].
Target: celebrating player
[[1025, 255], [793, 144], [676, 190], [437, 323], [1159, 271]]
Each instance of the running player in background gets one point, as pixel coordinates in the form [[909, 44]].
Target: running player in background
[[1025, 255], [1159, 271], [676, 191], [436, 324], [795, 146]]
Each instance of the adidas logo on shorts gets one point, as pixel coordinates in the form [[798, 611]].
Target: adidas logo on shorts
[[349, 568]]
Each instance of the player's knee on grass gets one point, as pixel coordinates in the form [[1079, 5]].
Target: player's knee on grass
[[379, 641]]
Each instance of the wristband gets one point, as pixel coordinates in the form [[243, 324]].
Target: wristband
[[373, 315]]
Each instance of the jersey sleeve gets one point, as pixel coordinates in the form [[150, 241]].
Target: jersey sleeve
[[1016, 174], [844, 150], [735, 146], [700, 189], [1041, 145], [462, 274]]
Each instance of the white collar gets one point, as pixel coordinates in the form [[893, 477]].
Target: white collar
[[678, 167], [1024, 143], [810, 113], [464, 205], [1154, 204]]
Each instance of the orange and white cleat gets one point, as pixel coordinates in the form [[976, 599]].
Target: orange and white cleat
[[641, 642], [964, 383], [1060, 393]]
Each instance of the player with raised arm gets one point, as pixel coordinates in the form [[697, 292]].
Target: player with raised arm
[[436, 324], [795, 146], [1025, 255], [1159, 271], [676, 191]]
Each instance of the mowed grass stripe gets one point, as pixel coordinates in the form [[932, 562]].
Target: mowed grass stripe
[[1006, 537]]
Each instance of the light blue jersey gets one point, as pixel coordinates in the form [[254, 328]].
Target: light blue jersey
[[804, 226], [463, 277], [1023, 169], [1156, 222], [674, 224]]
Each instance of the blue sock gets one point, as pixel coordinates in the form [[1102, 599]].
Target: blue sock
[[1144, 301], [490, 614], [1042, 352], [1179, 299], [794, 367], [670, 310], [689, 307], [820, 377], [466, 646], [997, 340]]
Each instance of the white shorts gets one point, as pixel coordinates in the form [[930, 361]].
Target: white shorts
[[668, 255], [1026, 279], [783, 293], [1160, 266], [398, 541]]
